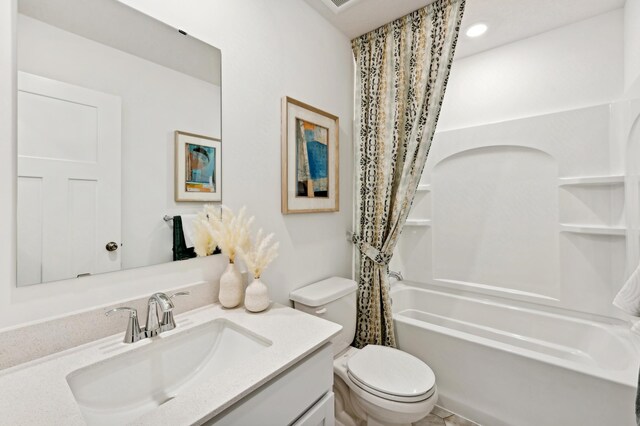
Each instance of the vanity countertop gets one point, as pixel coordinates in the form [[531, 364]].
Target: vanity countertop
[[37, 392]]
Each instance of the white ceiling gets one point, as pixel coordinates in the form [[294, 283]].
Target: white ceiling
[[508, 20]]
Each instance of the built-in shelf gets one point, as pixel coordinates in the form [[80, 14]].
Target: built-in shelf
[[592, 180], [589, 229], [424, 187], [418, 222]]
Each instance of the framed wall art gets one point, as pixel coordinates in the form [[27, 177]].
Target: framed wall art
[[198, 172], [310, 159]]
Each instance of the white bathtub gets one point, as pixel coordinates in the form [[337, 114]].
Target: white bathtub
[[504, 365]]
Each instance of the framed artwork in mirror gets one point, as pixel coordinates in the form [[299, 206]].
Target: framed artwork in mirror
[[310, 159], [198, 174]]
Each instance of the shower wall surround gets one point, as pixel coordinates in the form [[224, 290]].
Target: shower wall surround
[[530, 209], [535, 200]]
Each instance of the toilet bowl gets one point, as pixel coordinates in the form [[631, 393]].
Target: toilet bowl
[[382, 393], [375, 385]]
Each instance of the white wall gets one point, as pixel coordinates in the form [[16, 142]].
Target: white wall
[[632, 46], [269, 50], [163, 101], [515, 119], [570, 67]]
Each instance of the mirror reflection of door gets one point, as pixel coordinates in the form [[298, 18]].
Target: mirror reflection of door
[[68, 180]]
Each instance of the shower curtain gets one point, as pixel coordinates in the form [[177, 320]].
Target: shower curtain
[[402, 70]]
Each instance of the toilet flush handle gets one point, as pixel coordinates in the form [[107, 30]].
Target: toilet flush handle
[[321, 310]]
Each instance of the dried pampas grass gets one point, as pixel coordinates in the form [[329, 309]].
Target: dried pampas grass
[[260, 254], [224, 229]]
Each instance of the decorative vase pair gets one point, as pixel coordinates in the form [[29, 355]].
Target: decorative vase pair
[[256, 297]]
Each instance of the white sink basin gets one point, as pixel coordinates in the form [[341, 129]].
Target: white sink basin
[[125, 387]]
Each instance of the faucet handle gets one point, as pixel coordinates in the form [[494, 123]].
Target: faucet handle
[[168, 323], [133, 313], [180, 293], [133, 333]]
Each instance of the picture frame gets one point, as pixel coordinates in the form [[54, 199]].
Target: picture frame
[[310, 160], [198, 168]]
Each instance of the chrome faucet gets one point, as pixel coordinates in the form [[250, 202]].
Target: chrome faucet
[[396, 275], [157, 321], [153, 326], [156, 324]]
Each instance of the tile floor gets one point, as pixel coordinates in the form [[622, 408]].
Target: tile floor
[[441, 417]]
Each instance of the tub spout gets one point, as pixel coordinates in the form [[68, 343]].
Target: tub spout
[[396, 275]]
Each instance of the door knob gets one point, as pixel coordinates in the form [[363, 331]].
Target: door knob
[[111, 246]]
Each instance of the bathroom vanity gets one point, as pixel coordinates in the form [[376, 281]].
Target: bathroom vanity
[[218, 366]]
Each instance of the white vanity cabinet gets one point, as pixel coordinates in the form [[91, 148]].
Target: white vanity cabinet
[[322, 413], [301, 396]]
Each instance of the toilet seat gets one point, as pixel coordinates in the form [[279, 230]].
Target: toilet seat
[[391, 374], [391, 397]]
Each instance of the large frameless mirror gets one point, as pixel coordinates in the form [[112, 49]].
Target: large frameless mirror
[[109, 99]]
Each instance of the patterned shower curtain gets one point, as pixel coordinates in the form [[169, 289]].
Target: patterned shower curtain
[[402, 70]]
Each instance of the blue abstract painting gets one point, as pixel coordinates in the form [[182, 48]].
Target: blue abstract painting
[[200, 168], [312, 160]]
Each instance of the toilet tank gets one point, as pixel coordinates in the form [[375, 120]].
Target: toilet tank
[[333, 299]]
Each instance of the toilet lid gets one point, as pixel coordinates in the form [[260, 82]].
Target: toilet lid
[[391, 372]]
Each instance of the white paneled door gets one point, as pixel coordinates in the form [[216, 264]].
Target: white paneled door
[[68, 180]]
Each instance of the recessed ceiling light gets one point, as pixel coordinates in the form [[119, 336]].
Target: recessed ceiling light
[[476, 30]]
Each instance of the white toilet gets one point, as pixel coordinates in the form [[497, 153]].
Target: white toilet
[[375, 385]]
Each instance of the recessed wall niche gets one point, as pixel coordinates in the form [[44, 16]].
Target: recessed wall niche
[[495, 209]]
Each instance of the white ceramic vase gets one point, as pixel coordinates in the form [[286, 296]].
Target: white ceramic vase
[[231, 287], [256, 298]]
